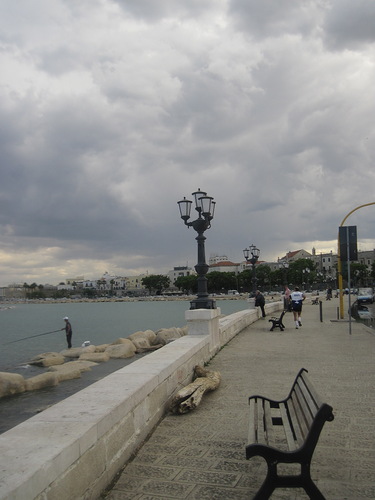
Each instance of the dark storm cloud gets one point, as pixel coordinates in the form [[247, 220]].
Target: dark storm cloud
[[156, 11], [274, 18], [349, 25], [113, 111]]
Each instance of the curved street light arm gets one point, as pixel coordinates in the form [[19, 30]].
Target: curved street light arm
[[339, 267]]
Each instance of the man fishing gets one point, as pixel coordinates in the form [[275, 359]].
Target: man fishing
[[68, 331]]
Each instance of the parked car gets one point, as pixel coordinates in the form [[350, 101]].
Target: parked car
[[365, 295]]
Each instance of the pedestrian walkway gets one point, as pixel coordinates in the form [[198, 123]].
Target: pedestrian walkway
[[201, 455]]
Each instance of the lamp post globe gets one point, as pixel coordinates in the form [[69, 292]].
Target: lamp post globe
[[205, 206]]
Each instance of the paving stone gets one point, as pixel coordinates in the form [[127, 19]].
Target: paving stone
[[167, 489], [188, 461], [207, 477], [147, 471], [212, 493]]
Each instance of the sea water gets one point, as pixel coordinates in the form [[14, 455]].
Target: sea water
[[25, 328]]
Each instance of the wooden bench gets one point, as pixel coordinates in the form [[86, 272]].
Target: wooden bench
[[277, 322], [286, 432]]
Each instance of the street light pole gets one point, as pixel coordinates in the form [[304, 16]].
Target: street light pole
[[339, 264], [284, 265], [205, 206], [254, 252]]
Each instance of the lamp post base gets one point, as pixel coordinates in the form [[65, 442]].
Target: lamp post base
[[203, 303]]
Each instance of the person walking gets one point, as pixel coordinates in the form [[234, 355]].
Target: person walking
[[297, 297], [68, 331], [287, 292], [260, 302]]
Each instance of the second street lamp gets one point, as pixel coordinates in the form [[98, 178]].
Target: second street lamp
[[205, 206], [251, 255], [284, 266]]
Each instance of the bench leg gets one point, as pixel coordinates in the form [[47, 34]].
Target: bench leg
[[313, 491], [269, 484], [273, 481], [308, 485]]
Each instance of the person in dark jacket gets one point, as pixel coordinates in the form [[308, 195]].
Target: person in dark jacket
[[68, 331], [259, 302]]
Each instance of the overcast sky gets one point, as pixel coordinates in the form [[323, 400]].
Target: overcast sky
[[113, 110]]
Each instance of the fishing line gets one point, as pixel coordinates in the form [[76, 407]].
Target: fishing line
[[32, 336]]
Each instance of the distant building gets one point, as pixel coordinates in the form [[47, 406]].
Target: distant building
[[326, 263], [215, 258], [134, 283], [225, 266], [367, 257], [179, 271], [296, 255]]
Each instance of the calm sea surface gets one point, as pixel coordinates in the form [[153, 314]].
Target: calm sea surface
[[98, 322]]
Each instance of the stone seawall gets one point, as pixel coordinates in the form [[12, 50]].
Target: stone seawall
[[74, 449]]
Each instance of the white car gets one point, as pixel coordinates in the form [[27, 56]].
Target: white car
[[365, 295]]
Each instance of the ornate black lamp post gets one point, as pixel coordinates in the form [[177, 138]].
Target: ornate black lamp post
[[205, 206], [254, 252], [284, 265], [305, 274]]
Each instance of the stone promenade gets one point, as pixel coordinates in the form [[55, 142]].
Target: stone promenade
[[201, 455]]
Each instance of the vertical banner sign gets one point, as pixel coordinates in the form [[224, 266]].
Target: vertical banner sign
[[348, 243]]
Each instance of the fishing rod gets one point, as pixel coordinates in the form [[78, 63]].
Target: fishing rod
[[32, 336]]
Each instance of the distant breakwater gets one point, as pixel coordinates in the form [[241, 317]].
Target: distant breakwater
[[11, 301]]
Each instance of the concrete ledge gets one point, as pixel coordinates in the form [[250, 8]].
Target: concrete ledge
[[74, 449]]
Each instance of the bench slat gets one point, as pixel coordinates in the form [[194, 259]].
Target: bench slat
[[309, 398], [295, 421], [311, 389], [307, 413], [261, 437], [292, 445], [253, 424], [268, 426]]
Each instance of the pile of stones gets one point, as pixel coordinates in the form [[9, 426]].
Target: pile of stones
[[70, 363]]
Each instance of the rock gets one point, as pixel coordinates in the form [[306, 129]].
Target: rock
[[165, 335], [123, 350], [147, 334], [11, 383], [143, 345], [72, 369], [119, 341], [97, 357], [47, 379], [48, 359], [75, 352], [101, 347], [66, 372]]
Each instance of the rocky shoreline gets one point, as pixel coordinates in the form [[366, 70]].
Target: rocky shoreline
[[61, 367], [22, 397]]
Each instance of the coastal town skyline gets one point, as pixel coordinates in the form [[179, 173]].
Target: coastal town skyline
[[323, 261], [114, 111]]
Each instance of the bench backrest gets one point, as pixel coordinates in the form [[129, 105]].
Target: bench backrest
[[306, 412]]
